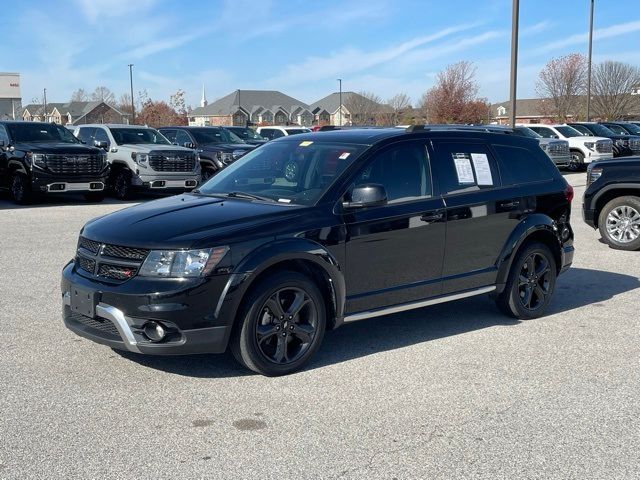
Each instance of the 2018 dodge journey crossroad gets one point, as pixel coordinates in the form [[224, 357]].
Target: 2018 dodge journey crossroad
[[313, 230]]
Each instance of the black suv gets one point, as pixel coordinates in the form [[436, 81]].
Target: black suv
[[611, 202], [46, 158], [247, 134], [313, 230], [621, 143], [217, 147], [626, 128]]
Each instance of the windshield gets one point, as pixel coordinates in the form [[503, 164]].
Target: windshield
[[619, 130], [135, 136], [206, 136], [40, 132], [632, 128], [288, 172], [246, 133], [568, 131], [600, 130], [527, 132], [296, 131]]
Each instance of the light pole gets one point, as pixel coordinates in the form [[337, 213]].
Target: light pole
[[589, 63], [45, 104], [340, 110], [133, 108], [514, 58]]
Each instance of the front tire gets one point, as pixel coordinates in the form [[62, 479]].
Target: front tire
[[619, 223], [281, 324], [20, 189], [577, 161], [122, 185], [531, 283]]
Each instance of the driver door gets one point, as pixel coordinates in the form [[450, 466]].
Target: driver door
[[394, 252]]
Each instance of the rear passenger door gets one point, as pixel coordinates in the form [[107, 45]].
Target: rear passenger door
[[481, 213]]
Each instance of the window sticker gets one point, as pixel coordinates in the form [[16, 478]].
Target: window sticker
[[344, 156], [463, 168], [306, 143], [483, 170]]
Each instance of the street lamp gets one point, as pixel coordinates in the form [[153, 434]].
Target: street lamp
[[340, 110], [133, 108], [589, 63], [45, 104], [514, 58]]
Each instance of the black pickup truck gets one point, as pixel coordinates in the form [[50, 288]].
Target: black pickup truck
[[612, 201], [46, 158]]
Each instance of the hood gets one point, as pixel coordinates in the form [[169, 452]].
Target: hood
[[225, 147], [552, 141], [188, 221], [148, 147], [57, 147], [253, 141]]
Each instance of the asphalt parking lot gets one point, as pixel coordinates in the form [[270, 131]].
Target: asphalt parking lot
[[451, 391]]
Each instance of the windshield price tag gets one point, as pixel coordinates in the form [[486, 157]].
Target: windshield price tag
[[306, 143], [344, 156]]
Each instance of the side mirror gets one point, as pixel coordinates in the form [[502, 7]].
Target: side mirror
[[188, 145], [100, 144], [367, 195]]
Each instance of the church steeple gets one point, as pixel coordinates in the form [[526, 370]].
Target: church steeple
[[203, 100]]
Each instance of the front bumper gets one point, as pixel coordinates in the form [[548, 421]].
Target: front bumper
[[116, 314], [596, 156], [560, 160], [48, 183], [166, 181]]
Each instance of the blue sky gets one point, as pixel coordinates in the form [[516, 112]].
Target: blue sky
[[298, 46]]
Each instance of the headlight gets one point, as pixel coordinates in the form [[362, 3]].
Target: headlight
[[589, 145], [140, 158], [38, 159], [182, 263]]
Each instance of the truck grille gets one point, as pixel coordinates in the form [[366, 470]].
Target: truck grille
[[603, 146], [75, 164], [172, 161], [113, 262], [559, 149], [634, 145]]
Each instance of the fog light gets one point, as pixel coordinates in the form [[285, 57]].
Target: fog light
[[154, 331]]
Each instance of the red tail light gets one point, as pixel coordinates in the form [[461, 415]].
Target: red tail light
[[568, 193]]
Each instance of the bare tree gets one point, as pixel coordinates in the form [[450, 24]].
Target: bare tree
[[563, 80], [453, 99], [103, 94], [363, 107], [80, 95], [612, 83], [178, 102], [395, 109]]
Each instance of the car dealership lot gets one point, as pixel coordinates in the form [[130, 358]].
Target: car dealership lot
[[455, 390]]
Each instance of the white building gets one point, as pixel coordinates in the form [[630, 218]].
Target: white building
[[10, 96]]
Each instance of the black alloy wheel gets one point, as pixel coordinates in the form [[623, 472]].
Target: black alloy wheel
[[20, 189], [122, 185], [531, 283], [280, 325]]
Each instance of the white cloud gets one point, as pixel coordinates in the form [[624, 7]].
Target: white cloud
[[535, 28], [598, 34], [96, 10]]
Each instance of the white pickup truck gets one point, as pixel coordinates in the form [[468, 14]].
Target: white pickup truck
[[142, 158], [583, 149]]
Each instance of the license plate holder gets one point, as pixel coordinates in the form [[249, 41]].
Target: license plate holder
[[83, 301]]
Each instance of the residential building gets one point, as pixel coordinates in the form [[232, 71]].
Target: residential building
[[259, 107], [10, 96], [528, 110], [74, 113], [355, 110]]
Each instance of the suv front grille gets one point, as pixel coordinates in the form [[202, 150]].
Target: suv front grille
[[559, 149], [172, 161], [74, 164], [101, 324], [634, 145], [113, 262], [604, 146]]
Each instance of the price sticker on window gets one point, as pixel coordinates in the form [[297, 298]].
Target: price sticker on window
[[344, 156], [306, 143]]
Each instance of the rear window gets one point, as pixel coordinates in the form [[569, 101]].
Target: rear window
[[519, 165]]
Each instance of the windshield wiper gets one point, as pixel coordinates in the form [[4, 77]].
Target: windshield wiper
[[251, 196]]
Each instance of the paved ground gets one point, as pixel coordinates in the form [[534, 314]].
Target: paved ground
[[450, 391]]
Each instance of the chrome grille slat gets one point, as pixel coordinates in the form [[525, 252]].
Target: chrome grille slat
[[172, 161], [604, 147], [74, 164]]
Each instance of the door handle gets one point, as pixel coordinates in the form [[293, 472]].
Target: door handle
[[511, 204], [432, 217]]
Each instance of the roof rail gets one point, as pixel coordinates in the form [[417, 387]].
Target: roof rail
[[472, 128]]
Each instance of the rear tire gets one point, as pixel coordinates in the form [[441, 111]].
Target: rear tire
[[619, 223], [531, 283], [20, 189], [281, 324]]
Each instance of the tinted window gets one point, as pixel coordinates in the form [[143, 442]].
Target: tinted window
[[101, 136], [40, 132], [206, 136], [267, 133], [182, 137], [402, 170], [568, 131], [544, 132], [617, 129], [582, 129], [277, 134], [134, 136], [85, 134], [466, 167], [170, 134], [519, 165], [296, 131], [3, 134]]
